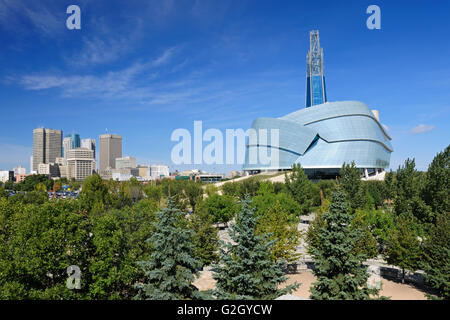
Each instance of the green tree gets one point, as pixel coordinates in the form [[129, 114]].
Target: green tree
[[175, 189], [437, 256], [351, 185], [267, 198], [211, 189], [39, 242], [171, 268], [299, 187], [248, 187], [231, 189], [390, 187], [246, 269], [133, 190], [278, 225], [221, 208], [376, 190], [437, 185], [339, 270], [403, 246], [118, 240], [194, 191], [153, 192], [379, 222], [408, 199], [367, 244], [205, 238], [94, 196], [3, 193], [32, 180]]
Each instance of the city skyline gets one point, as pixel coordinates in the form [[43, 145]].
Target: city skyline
[[160, 66]]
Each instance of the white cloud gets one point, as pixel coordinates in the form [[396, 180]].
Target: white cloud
[[112, 84], [422, 128], [42, 18], [106, 45], [164, 58]]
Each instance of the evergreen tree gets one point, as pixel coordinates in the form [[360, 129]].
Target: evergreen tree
[[403, 246], [408, 201], [437, 186], [437, 256], [299, 187], [171, 269], [206, 238], [339, 270], [246, 269]]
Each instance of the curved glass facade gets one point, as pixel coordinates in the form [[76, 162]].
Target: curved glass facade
[[323, 137]]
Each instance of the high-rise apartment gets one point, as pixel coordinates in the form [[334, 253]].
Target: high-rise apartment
[[47, 146], [110, 148]]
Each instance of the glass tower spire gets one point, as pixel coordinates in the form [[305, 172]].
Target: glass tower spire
[[315, 80]]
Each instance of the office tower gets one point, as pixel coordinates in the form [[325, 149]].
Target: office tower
[[89, 144], [110, 148], [80, 163], [67, 145], [315, 79], [47, 146], [75, 140], [71, 141], [126, 162]]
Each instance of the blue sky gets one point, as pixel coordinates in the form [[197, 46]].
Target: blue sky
[[144, 68]]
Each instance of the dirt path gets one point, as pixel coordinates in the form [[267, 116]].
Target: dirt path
[[394, 290]]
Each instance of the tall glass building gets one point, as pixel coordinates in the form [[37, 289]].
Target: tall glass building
[[71, 141], [315, 79], [321, 137]]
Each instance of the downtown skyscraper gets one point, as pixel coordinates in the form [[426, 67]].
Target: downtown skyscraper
[[110, 148], [47, 146], [316, 92]]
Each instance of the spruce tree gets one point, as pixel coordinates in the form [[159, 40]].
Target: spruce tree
[[171, 268], [437, 256], [437, 186], [338, 268], [246, 269]]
